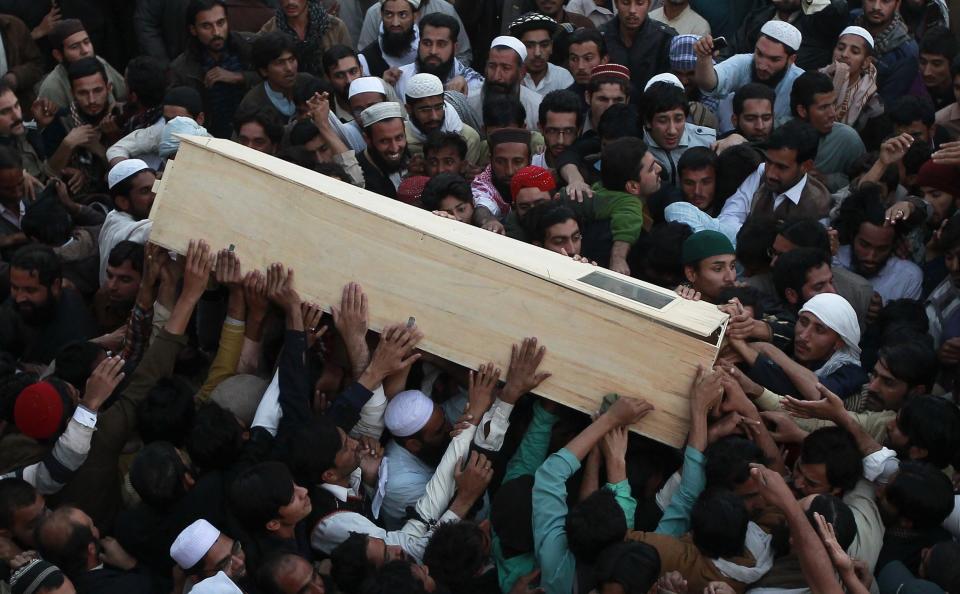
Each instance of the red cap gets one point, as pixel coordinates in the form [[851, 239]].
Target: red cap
[[411, 189], [38, 411], [610, 71], [945, 178], [532, 176]]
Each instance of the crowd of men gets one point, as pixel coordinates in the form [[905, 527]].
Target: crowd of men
[[182, 422]]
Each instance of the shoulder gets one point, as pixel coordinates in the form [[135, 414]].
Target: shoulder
[[662, 29], [701, 135]]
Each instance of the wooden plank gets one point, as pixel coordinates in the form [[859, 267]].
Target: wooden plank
[[472, 292]]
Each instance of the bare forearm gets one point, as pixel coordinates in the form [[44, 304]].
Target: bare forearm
[[60, 158], [581, 445], [706, 75], [571, 174], [853, 583], [865, 442], [814, 561], [591, 476]]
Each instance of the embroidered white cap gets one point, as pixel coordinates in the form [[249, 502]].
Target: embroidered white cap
[[664, 77], [408, 412], [366, 84], [783, 32], [125, 169], [423, 85], [379, 112], [511, 42], [859, 32]]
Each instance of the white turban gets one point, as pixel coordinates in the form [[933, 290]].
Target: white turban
[[837, 314], [783, 32], [408, 412], [513, 43], [193, 543], [366, 84], [170, 144], [664, 77], [859, 32]]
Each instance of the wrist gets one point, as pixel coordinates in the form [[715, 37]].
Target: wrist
[[371, 377]]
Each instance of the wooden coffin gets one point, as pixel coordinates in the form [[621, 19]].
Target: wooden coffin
[[472, 292]]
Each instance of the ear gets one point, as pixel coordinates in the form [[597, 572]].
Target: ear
[[918, 390], [55, 287], [122, 203], [791, 60], [802, 112], [132, 97], [109, 88], [58, 55], [791, 296], [690, 273], [192, 29], [329, 476], [272, 525], [604, 60], [188, 481], [806, 166], [734, 120], [632, 187]]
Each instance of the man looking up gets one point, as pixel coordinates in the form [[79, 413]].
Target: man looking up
[[772, 64], [131, 186], [398, 41], [504, 72], [384, 160], [429, 112], [437, 55], [536, 32], [638, 42], [274, 59], [216, 62], [69, 42], [896, 50]]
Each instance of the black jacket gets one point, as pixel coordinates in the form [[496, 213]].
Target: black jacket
[[374, 179], [649, 54]]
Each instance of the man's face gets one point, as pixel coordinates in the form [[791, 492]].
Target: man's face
[[943, 204], [282, 72], [398, 16], [25, 520], [769, 59], [320, 149], [504, 70], [342, 74], [539, 49], [852, 51], [123, 282], [810, 479], [935, 70], [11, 187], [782, 171], [452, 205], [699, 186], [917, 129], [140, 198], [361, 101], [77, 47], [633, 13], [756, 121], [444, 160], [604, 97], [91, 94], [581, 59], [436, 47], [667, 127], [819, 280], [211, 28], [872, 247], [712, 275], [527, 199], [814, 341], [896, 439], [551, 8], [293, 8], [11, 116], [297, 509], [380, 553], [226, 555], [33, 301], [564, 237], [781, 245], [686, 79], [749, 491], [347, 458], [299, 577], [252, 135], [560, 132], [822, 113], [649, 175], [427, 113], [879, 13], [508, 158], [886, 387], [389, 139]]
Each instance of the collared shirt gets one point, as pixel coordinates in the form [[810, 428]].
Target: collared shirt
[[738, 207], [948, 119], [898, 279], [280, 101], [588, 8], [688, 22], [474, 79], [13, 217], [555, 79], [737, 71]]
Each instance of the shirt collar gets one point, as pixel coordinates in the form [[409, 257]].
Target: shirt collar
[[793, 194], [344, 493]]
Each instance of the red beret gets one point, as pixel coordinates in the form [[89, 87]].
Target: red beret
[[411, 189], [532, 176], [38, 411]]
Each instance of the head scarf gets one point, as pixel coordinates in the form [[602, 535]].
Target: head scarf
[[837, 314]]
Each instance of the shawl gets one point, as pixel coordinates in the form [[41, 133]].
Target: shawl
[[852, 100], [309, 49]]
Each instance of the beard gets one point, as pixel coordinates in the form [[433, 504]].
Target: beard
[[432, 454], [386, 166], [495, 88], [771, 82], [34, 315], [503, 186], [397, 44], [441, 70]]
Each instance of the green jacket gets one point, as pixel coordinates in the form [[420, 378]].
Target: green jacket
[[625, 212]]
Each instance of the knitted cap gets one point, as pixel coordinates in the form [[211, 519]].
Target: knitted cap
[[366, 84], [408, 412], [193, 543], [63, 29], [378, 112], [532, 21], [705, 244], [414, 3], [124, 170], [511, 42], [411, 189], [423, 85], [30, 577]]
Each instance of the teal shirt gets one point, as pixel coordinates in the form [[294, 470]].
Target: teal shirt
[[693, 480]]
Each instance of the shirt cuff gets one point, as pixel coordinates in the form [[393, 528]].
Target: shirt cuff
[[875, 464], [85, 417], [234, 322]]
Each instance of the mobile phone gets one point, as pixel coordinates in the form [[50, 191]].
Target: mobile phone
[[720, 43]]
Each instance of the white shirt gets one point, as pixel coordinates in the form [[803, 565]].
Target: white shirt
[[589, 9], [557, 78], [898, 279], [474, 79], [140, 144], [688, 22], [738, 207]]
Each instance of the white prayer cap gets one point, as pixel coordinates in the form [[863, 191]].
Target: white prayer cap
[[423, 85], [193, 543], [859, 32], [664, 77], [408, 412], [414, 3], [837, 314], [366, 84], [783, 32], [125, 169], [379, 112], [511, 42], [217, 584]]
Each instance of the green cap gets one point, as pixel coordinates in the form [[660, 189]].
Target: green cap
[[704, 244]]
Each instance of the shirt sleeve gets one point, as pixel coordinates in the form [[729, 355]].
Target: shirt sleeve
[[880, 466], [732, 73], [557, 565], [737, 208], [534, 445], [693, 480], [621, 492], [493, 426]]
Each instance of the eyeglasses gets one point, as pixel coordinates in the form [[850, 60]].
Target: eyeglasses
[[226, 564]]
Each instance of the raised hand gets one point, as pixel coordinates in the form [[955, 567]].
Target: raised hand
[[472, 480], [828, 408], [394, 353], [353, 316], [229, 272], [312, 314], [707, 390], [522, 376], [627, 411], [196, 274], [102, 382], [772, 486], [281, 289], [785, 429], [255, 293], [483, 382]]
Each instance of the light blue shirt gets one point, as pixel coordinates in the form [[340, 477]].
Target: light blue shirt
[[407, 478], [737, 71]]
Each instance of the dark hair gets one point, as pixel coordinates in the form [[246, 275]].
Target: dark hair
[[837, 451], [147, 77], [125, 186], [921, 493], [748, 297], [754, 240], [661, 252], [943, 566], [10, 158], [15, 494], [69, 555], [85, 67], [890, 178], [47, 221], [906, 109], [940, 41], [267, 47], [273, 565], [752, 91], [618, 121], [335, 53], [718, 522], [728, 462], [661, 97], [796, 135], [838, 513], [215, 439], [621, 162], [39, 259], [560, 101], [313, 450], [790, 271], [696, 158], [440, 20], [271, 126], [635, 566], [543, 216], [438, 140], [443, 185], [950, 236], [863, 205], [735, 165], [931, 423], [350, 564], [75, 362], [912, 361], [954, 68], [807, 233], [593, 524], [598, 81], [257, 494], [308, 85], [394, 577], [503, 111], [127, 251], [333, 170], [303, 132], [918, 154], [157, 474], [456, 553], [166, 414], [805, 89], [197, 6], [584, 35]]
